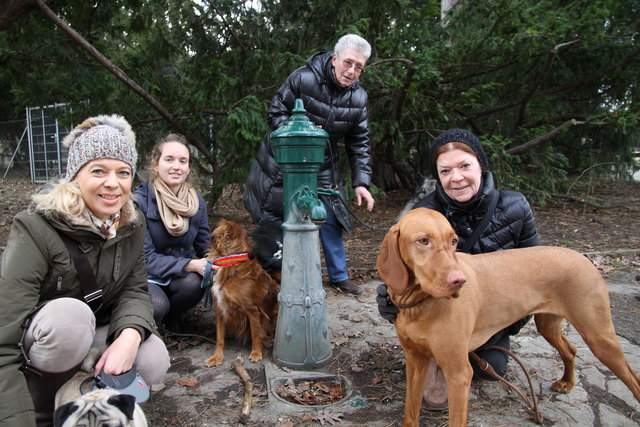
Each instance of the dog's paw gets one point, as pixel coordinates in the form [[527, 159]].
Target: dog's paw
[[255, 356], [562, 386], [215, 360]]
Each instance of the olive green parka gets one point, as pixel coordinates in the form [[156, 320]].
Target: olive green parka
[[36, 267]]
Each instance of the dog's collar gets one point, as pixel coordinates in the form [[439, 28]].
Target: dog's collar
[[231, 259], [413, 304]]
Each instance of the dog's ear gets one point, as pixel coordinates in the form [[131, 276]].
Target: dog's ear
[[126, 403], [63, 412], [390, 265]]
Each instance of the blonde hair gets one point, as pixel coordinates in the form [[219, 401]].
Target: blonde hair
[[64, 198]]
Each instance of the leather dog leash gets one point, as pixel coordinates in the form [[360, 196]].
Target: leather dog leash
[[412, 304], [486, 367]]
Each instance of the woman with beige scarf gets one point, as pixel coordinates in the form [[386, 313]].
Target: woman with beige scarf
[[178, 234]]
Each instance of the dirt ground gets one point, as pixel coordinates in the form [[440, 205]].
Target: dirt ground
[[602, 220]]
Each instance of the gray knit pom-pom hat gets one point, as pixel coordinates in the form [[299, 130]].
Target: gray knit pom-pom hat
[[100, 137]]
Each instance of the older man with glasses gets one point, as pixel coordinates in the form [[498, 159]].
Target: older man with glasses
[[329, 87]]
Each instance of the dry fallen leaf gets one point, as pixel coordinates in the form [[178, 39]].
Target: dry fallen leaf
[[315, 392], [188, 382], [325, 415], [377, 380]]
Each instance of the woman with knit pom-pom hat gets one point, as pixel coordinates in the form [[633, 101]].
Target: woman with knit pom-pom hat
[[73, 277]]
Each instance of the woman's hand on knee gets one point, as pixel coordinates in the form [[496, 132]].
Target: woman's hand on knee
[[120, 355]]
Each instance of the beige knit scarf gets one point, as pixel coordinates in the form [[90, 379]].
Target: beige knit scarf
[[176, 209]]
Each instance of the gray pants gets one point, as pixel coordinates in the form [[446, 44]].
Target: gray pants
[[62, 332]]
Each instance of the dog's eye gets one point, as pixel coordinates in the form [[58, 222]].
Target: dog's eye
[[454, 242], [423, 241]]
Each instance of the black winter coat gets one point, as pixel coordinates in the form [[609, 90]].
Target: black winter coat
[[511, 226], [340, 111]]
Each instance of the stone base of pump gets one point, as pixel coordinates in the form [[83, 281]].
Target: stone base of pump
[[277, 379]]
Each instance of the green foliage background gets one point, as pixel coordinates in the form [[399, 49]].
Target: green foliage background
[[512, 71]]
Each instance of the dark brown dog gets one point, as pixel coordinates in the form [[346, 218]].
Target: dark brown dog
[[451, 303], [245, 296]]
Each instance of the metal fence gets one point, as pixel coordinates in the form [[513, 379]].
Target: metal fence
[[31, 148]]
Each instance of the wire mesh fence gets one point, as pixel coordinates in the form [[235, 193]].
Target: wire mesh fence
[[30, 148]]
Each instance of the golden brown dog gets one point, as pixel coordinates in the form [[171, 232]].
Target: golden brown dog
[[245, 295], [441, 318]]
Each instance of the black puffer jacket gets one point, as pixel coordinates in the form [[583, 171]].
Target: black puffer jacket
[[340, 111], [512, 225]]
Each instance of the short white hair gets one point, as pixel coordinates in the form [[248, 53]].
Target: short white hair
[[353, 41]]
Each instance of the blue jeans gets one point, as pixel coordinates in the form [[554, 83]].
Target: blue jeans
[[333, 247]]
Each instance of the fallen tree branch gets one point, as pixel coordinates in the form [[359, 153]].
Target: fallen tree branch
[[248, 388], [544, 138], [579, 200], [585, 171]]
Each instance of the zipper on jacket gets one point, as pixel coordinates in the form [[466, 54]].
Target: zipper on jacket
[[59, 284]]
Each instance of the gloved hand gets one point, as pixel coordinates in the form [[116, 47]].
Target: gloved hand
[[386, 308]]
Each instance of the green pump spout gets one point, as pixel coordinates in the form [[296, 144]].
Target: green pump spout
[[307, 206]]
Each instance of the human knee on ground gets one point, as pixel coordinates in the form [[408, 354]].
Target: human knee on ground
[[152, 361], [60, 335]]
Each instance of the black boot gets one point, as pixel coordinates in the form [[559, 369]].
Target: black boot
[[43, 387]]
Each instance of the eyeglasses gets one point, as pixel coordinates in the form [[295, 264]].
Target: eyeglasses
[[348, 64]]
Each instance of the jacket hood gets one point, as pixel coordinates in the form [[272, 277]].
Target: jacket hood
[[320, 65]]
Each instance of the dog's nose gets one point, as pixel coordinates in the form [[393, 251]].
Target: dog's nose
[[456, 279]]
